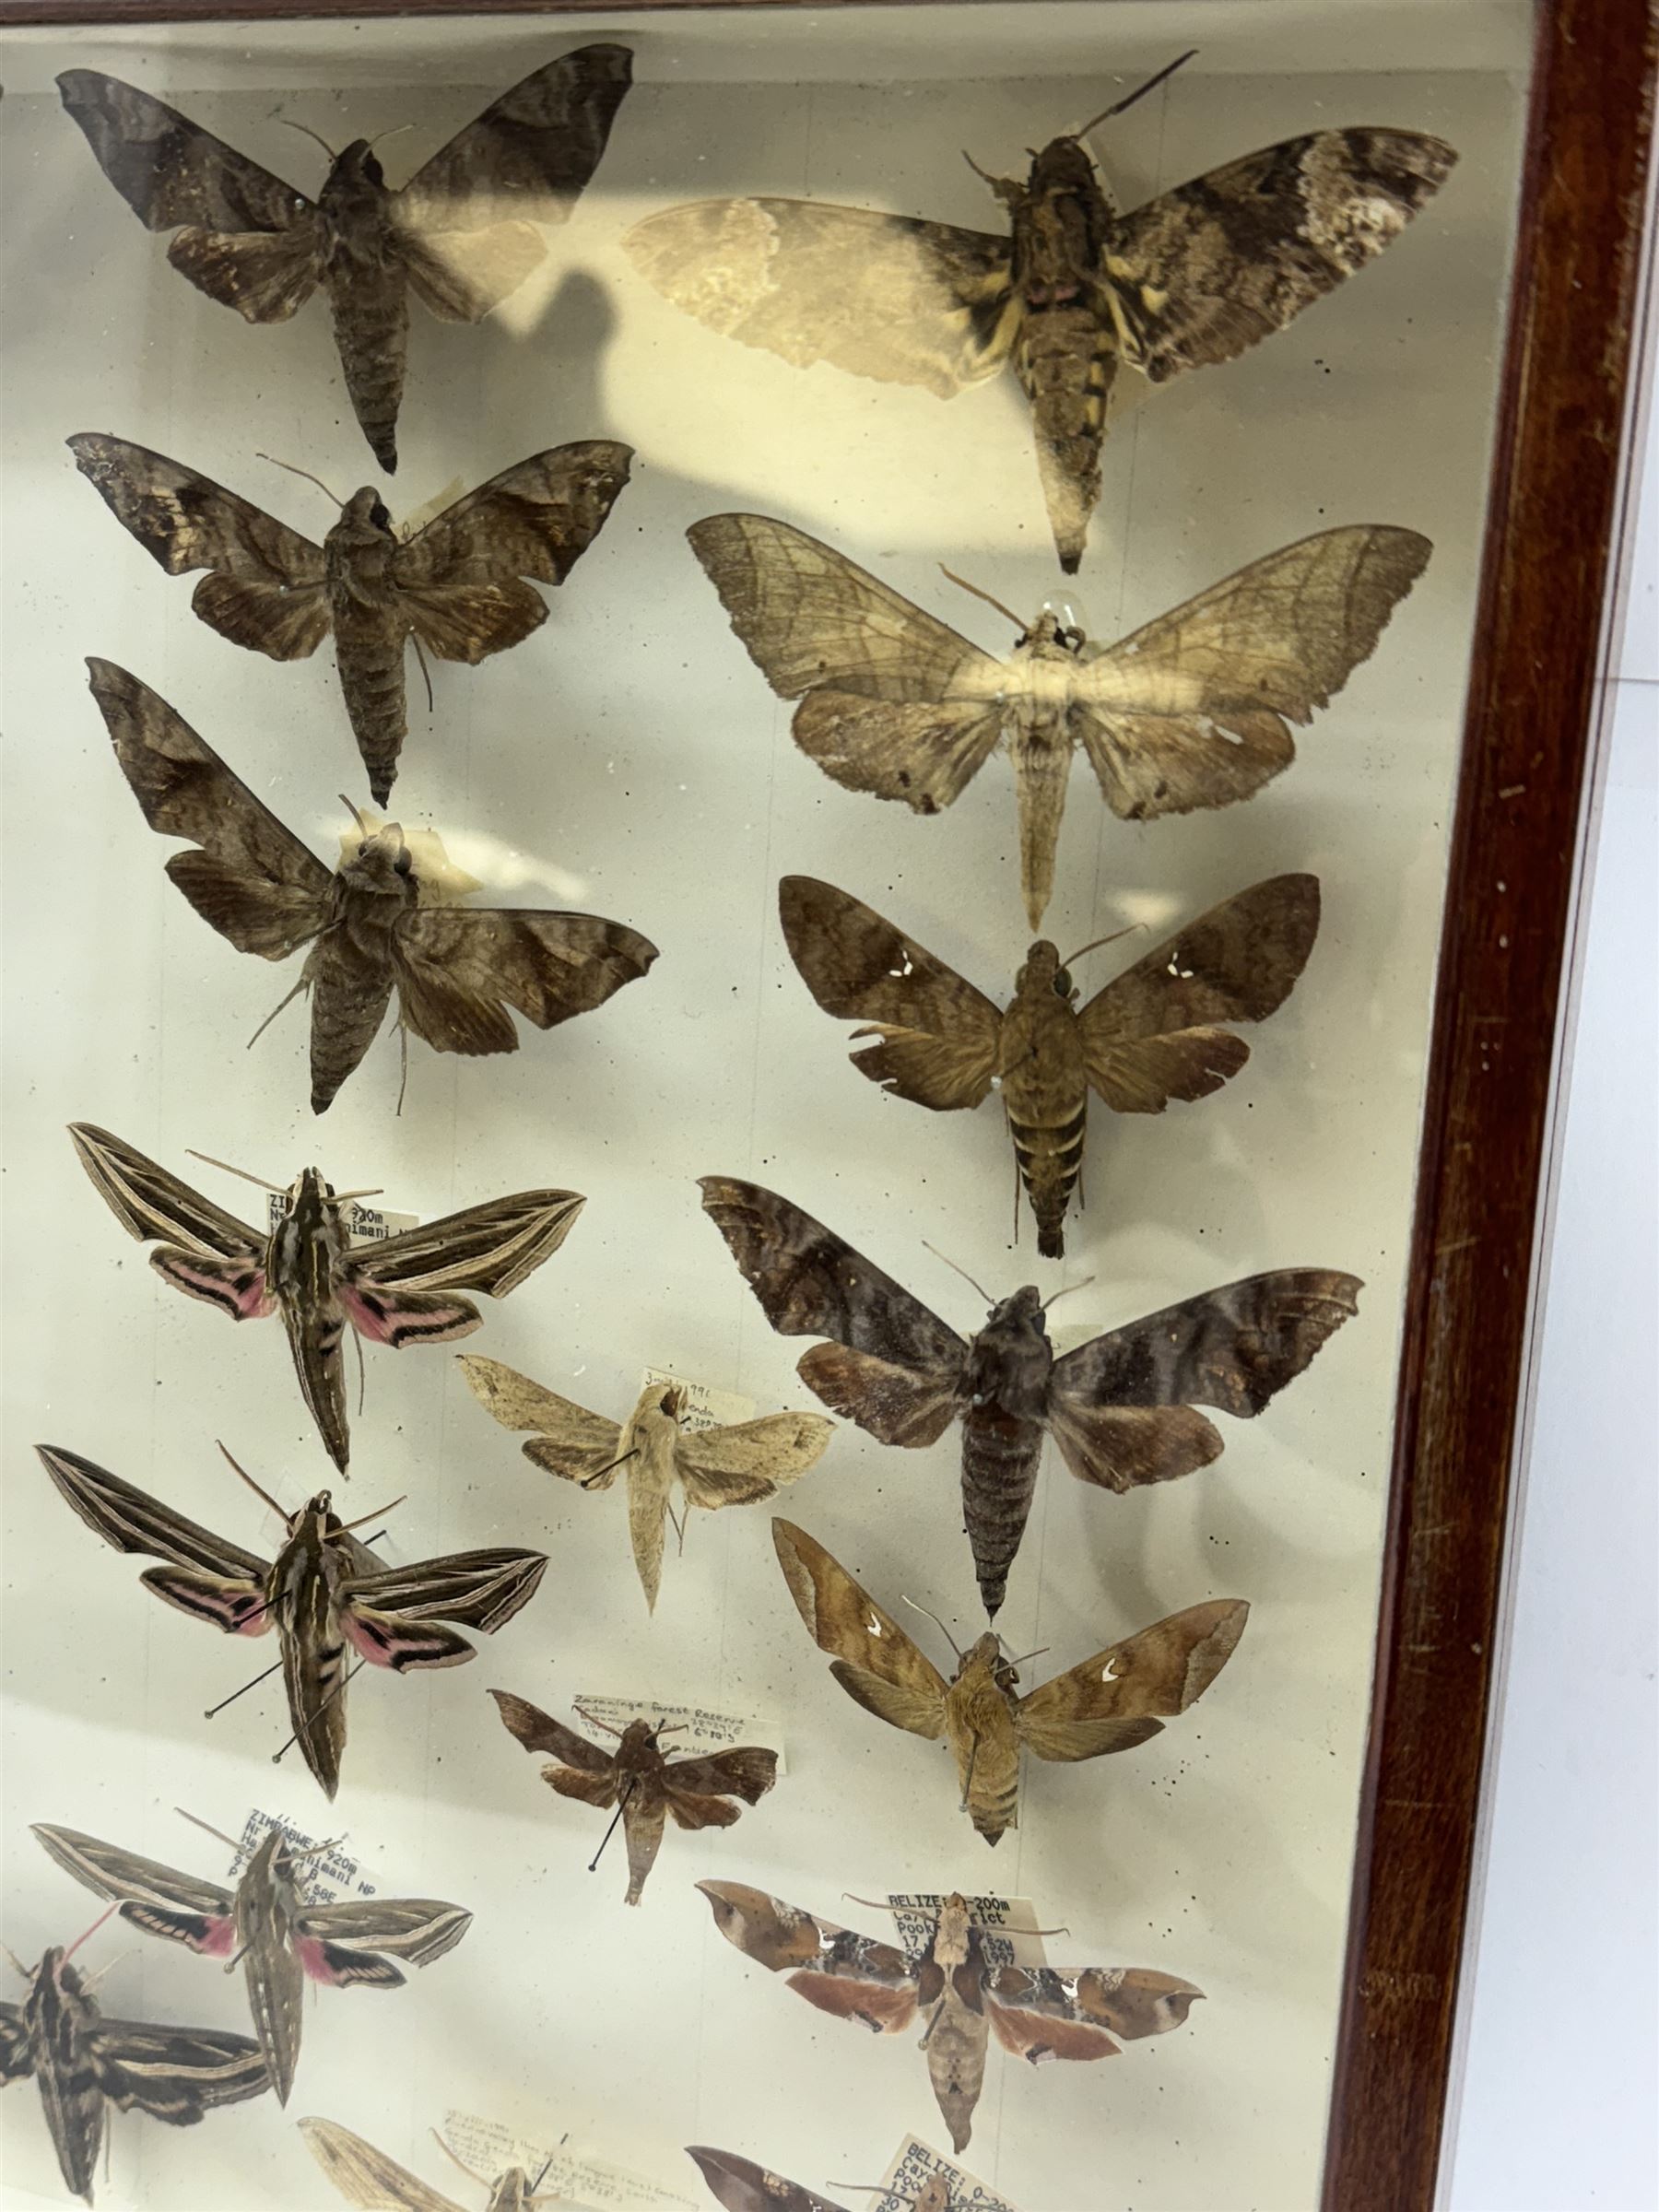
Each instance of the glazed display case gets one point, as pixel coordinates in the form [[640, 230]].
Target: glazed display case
[[700, 596]]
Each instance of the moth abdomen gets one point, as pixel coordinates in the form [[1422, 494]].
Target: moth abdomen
[[370, 298], [1065, 357], [1050, 1158], [368, 648], [1000, 1455]]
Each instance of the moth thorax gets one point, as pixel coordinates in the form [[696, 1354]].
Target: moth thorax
[[1040, 970], [980, 1662], [953, 1933], [365, 520], [1065, 164], [383, 867], [356, 181], [1054, 634], [1011, 1357]]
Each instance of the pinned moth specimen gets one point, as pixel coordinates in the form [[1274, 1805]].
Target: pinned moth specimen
[[455, 586], [325, 1594], [738, 1464], [1109, 1702], [457, 973], [1189, 712], [1121, 1408], [368, 2177], [267, 1924], [961, 1998], [459, 234], [643, 1785], [1074, 288], [83, 2062], [399, 1291], [742, 2186], [1152, 1035]]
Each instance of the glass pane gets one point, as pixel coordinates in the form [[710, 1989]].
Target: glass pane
[[630, 760]]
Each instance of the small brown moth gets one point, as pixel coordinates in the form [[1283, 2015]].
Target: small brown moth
[[265, 1923], [325, 1594], [459, 234], [368, 2177], [1189, 712], [636, 1778], [1121, 1408], [83, 2062], [1152, 1035], [1197, 275], [399, 1291], [739, 1463], [1036, 2012], [458, 973], [1108, 1702], [742, 2186], [455, 586]]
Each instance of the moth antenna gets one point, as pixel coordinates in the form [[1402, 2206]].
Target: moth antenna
[[610, 1831], [669, 1728], [317, 1850], [397, 132], [962, 1271], [208, 1826], [402, 1047], [1056, 1295], [1024, 1656], [288, 464], [938, 1624], [214, 1710], [264, 1495], [224, 1165], [362, 1395], [332, 157], [108, 1966], [426, 672], [87, 1932], [874, 1904], [379, 1509], [345, 1197], [286, 1000], [16, 1963], [589, 1481], [591, 1720], [276, 1756], [358, 816], [1140, 92], [547, 2167], [482, 2179], [1127, 931], [962, 584]]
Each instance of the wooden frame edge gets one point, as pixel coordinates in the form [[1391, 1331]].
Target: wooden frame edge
[[1530, 729]]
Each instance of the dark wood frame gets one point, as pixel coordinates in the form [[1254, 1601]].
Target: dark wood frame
[[1525, 779]]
